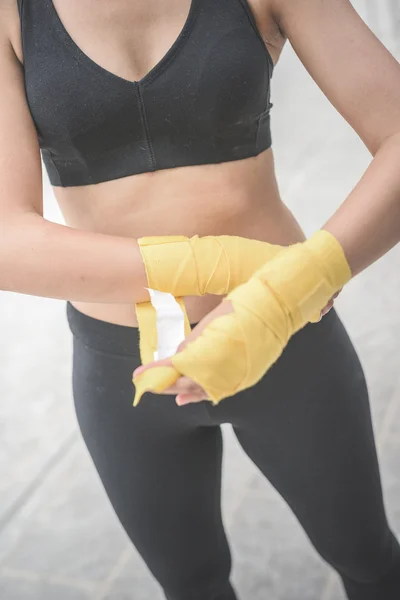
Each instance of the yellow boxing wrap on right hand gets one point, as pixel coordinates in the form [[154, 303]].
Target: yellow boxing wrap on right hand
[[234, 351], [194, 266]]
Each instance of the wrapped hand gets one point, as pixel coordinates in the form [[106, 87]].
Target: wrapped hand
[[235, 350]]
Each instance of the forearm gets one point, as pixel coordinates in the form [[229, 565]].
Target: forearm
[[367, 224], [41, 258]]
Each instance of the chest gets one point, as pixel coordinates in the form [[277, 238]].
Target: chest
[[211, 46], [127, 38]]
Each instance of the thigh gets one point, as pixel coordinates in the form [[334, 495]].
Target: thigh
[[307, 426], [161, 468]]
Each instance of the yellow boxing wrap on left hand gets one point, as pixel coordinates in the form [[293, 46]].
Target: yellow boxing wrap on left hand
[[234, 351], [194, 266]]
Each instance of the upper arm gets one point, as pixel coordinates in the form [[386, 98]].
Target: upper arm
[[351, 66], [20, 165]]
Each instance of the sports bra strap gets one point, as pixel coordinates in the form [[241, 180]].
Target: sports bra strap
[[249, 12]]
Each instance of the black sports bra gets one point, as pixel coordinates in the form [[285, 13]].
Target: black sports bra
[[206, 101]]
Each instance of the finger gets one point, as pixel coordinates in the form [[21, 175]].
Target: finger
[[185, 385], [327, 308], [183, 399]]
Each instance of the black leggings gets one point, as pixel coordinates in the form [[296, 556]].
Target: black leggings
[[306, 425]]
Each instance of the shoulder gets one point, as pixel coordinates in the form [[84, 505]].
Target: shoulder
[[285, 11], [348, 62]]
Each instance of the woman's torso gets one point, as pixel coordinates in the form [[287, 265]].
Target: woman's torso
[[237, 197]]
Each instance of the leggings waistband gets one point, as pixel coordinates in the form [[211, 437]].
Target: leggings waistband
[[101, 335], [123, 339]]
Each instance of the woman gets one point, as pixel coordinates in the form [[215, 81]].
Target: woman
[[153, 120]]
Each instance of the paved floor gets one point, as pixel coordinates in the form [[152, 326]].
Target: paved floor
[[59, 538]]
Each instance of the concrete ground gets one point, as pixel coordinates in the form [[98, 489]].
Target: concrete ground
[[59, 538]]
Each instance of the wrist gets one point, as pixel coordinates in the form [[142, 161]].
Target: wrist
[[298, 284], [328, 252]]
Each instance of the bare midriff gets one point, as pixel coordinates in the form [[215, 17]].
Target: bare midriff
[[236, 198]]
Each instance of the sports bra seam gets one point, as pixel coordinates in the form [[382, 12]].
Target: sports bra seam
[[246, 8], [143, 115]]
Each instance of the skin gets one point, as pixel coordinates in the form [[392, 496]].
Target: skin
[[96, 253]]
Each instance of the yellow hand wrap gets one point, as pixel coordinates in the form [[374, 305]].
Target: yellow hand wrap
[[234, 351], [194, 267]]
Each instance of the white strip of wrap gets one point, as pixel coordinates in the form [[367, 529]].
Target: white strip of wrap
[[170, 324]]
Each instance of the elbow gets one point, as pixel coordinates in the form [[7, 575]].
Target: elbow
[[391, 140], [15, 233]]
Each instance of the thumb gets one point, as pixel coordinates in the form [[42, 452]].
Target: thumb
[[165, 362]]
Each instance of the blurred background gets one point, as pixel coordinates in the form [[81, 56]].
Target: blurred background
[[59, 538]]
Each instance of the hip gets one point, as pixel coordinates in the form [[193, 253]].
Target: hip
[[319, 362]]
